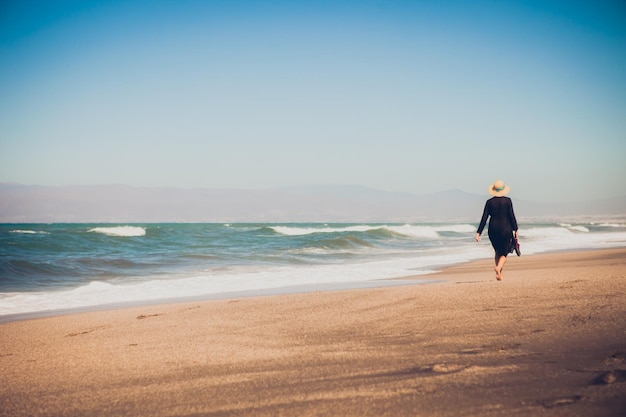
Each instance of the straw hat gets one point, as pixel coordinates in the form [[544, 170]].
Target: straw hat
[[499, 189]]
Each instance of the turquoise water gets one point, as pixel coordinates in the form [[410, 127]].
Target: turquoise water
[[56, 266]]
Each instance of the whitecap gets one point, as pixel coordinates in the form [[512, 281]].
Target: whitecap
[[579, 228], [120, 231], [415, 231], [431, 231], [301, 231]]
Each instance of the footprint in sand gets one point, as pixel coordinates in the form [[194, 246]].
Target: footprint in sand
[[86, 331], [447, 368], [617, 358], [477, 351], [145, 316], [558, 402], [610, 377], [438, 368]]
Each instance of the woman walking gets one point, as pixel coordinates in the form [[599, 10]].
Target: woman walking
[[501, 225]]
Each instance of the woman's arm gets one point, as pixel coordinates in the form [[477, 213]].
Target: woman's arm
[[483, 221]]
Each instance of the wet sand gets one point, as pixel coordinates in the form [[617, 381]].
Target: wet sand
[[549, 340]]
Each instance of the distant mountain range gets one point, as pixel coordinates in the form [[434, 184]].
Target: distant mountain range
[[120, 203]]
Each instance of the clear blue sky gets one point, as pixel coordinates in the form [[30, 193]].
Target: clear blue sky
[[415, 96]]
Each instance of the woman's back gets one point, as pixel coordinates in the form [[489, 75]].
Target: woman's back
[[500, 209]]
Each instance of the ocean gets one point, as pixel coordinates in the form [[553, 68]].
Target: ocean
[[54, 267]]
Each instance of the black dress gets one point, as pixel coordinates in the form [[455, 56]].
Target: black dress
[[501, 225]]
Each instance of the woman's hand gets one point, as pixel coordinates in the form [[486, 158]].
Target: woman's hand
[[478, 237]]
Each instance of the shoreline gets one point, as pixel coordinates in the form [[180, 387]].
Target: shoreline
[[421, 279], [428, 278], [265, 292], [548, 340]]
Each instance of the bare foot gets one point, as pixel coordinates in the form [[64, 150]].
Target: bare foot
[[498, 273]]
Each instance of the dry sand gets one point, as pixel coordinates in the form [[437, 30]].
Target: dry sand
[[550, 340]]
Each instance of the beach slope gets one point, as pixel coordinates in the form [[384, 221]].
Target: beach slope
[[549, 340]]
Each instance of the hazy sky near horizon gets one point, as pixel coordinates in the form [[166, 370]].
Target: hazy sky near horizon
[[414, 96]]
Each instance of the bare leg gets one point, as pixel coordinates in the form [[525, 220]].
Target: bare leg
[[500, 261], [496, 259]]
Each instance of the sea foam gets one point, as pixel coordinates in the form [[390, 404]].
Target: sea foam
[[121, 231], [29, 232], [135, 263], [250, 278], [302, 231], [409, 230]]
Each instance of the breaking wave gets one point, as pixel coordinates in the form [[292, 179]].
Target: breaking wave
[[408, 230], [120, 231]]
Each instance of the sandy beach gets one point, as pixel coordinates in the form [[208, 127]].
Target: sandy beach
[[549, 340]]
